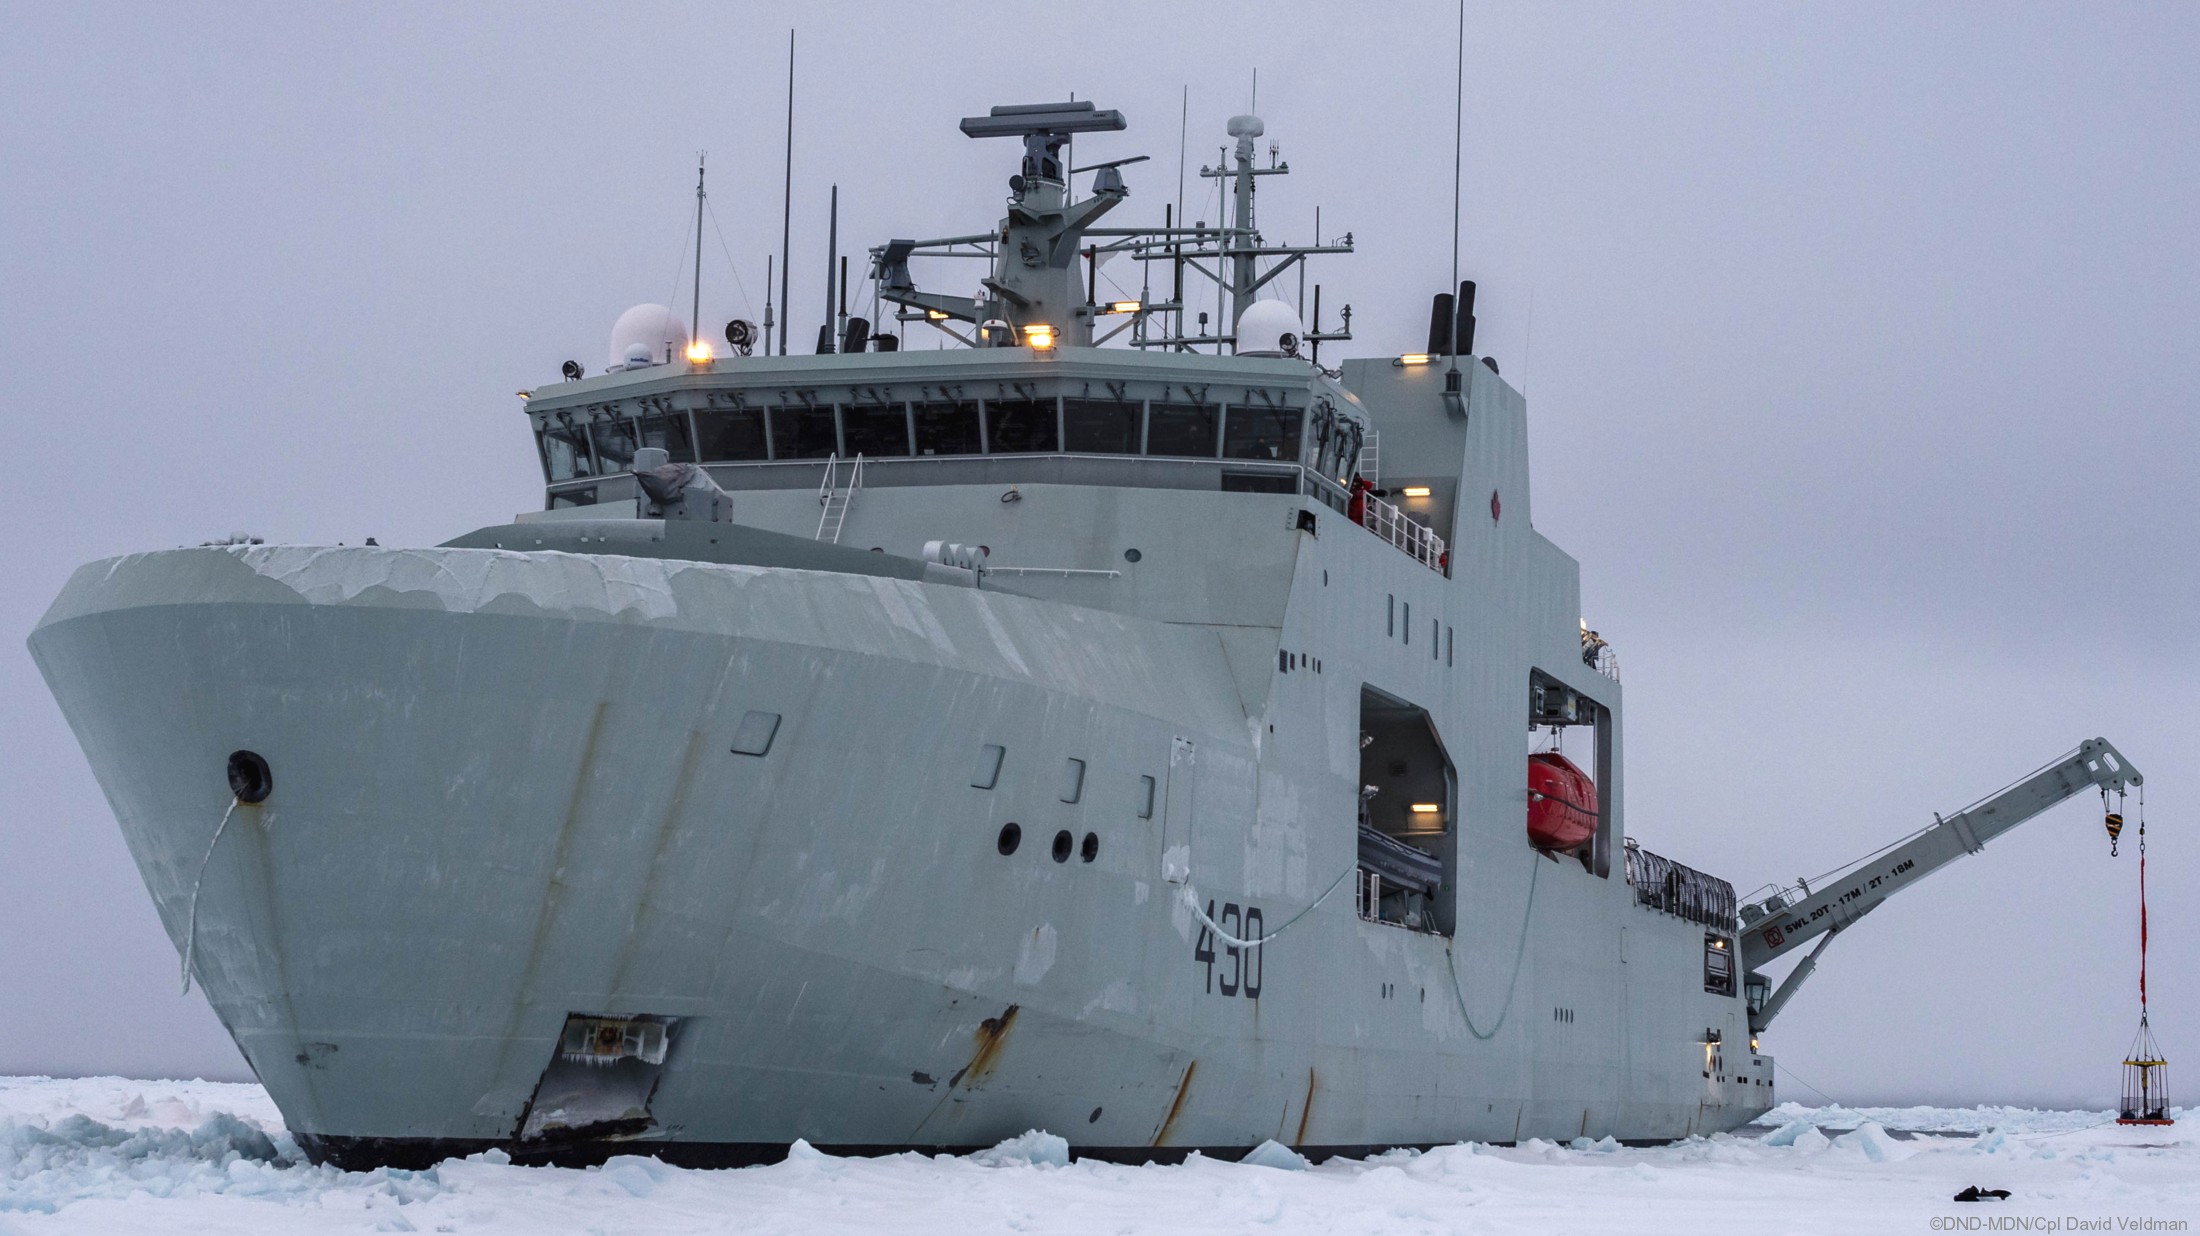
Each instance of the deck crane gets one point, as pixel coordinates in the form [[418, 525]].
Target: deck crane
[[1774, 926]]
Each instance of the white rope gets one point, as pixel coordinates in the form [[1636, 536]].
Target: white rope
[[191, 931], [1191, 902], [1512, 985]]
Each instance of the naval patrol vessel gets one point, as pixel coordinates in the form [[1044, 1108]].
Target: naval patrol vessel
[[1112, 723]]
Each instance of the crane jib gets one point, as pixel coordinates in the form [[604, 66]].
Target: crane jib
[[1786, 924]]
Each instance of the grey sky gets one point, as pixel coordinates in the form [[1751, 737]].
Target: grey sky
[[1857, 365]]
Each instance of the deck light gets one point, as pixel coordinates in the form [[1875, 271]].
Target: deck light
[[935, 315], [1427, 808], [1415, 491], [1413, 358], [699, 351], [1123, 306], [1040, 336]]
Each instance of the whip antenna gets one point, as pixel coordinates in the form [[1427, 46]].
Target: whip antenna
[[1453, 397], [786, 202]]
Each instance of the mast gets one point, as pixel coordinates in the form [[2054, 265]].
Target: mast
[[1240, 245]]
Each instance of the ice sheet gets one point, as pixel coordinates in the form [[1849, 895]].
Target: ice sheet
[[113, 1155]]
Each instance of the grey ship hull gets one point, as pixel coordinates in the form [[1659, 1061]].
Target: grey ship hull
[[505, 793]]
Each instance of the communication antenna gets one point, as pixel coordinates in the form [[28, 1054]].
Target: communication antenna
[[832, 259], [1183, 141], [695, 303], [786, 203], [1454, 398]]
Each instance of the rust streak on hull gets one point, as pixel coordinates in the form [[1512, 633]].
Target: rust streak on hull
[[1306, 1109], [1183, 1088]]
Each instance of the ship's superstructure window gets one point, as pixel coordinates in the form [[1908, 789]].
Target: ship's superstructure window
[[565, 452], [1336, 440], [987, 772], [573, 497], [668, 432], [1187, 429], [1718, 965], [877, 431], [948, 427], [615, 443], [801, 432], [1101, 426], [1145, 797], [1073, 780], [1020, 426], [731, 434], [1259, 431]]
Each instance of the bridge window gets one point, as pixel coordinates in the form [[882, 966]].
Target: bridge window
[[614, 444], [877, 431], [1191, 429], [1254, 431], [803, 433], [1101, 426], [1020, 426], [565, 452], [947, 427], [668, 433], [736, 434]]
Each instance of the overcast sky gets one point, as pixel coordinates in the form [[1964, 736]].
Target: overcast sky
[[1857, 340]]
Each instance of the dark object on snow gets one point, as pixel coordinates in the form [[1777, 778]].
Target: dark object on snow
[[1976, 1194]]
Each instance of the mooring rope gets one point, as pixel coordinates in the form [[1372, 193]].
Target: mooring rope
[[1191, 902], [191, 929], [1512, 985]]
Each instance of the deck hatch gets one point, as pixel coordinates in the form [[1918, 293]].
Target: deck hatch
[[754, 737]]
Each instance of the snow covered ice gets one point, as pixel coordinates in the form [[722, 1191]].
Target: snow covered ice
[[109, 1154]]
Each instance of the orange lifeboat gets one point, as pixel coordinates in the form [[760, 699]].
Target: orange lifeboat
[[1562, 803]]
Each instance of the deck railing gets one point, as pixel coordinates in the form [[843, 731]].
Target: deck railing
[[1417, 539]]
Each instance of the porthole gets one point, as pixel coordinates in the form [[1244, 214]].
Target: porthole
[[1063, 843], [1091, 849], [1132, 555], [1012, 835], [249, 777]]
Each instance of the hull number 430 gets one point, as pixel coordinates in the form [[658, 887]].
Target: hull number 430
[[1235, 971]]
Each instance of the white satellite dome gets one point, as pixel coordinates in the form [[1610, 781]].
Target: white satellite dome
[[1269, 328], [647, 326]]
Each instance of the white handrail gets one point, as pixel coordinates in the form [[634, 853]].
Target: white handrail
[[1419, 541], [833, 501]]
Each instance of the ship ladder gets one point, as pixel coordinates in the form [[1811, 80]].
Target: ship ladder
[[2146, 1073], [833, 500]]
